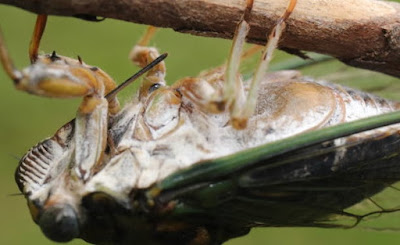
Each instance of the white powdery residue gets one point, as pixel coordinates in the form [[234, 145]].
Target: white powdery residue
[[149, 175], [142, 155], [118, 176], [189, 146]]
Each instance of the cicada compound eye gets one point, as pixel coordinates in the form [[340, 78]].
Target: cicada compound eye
[[60, 223]]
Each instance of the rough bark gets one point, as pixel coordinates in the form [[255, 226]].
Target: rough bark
[[361, 33]]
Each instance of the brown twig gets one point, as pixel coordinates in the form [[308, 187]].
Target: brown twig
[[361, 33]]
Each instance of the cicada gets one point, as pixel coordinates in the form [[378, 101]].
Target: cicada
[[206, 159]]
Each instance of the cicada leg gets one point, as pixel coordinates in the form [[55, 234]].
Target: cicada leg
[[40, 25], [233, 83], [241, 112], [93, 78], [142, 55], [207, 92], [62, 77]]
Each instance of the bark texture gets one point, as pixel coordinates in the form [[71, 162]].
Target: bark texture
[[361, 33]]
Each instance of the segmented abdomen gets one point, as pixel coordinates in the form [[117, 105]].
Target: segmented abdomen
[[358, 104]]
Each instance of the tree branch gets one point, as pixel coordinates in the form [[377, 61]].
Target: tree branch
[[361, 33]]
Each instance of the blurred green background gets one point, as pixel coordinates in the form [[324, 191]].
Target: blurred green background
[[26, 119]]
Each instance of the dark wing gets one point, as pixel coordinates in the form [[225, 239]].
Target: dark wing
[[305, 180]]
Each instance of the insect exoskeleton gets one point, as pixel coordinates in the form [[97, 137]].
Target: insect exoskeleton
[[200, 161]]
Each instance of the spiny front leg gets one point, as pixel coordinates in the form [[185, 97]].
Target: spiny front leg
[[62, 77], [57, 76]]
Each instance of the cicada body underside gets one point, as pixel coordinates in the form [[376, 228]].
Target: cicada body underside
[[306, 178], [207, 158]]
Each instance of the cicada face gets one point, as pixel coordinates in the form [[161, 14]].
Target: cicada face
[[39, 176]]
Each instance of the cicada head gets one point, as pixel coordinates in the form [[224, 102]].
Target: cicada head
[[40, 174]]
